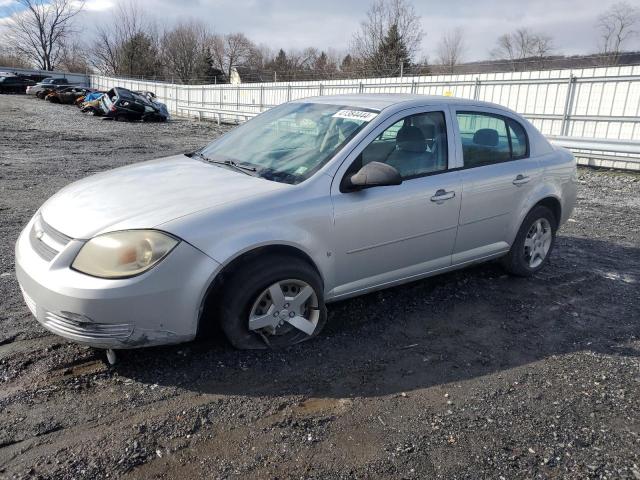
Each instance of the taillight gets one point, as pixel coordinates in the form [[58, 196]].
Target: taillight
[[112, 108]]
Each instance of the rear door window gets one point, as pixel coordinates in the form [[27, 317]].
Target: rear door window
[[488, 139]]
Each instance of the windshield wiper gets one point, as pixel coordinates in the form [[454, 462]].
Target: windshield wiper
[[229, 163]]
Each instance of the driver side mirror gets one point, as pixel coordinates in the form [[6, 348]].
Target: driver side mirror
[[373, 174]]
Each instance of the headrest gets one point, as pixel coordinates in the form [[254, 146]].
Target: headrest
[[486, 137], [410, 139], [429, 130]]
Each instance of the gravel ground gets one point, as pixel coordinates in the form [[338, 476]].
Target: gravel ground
[[472, 374]]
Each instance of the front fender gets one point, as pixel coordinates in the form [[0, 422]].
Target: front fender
[[296, 218]]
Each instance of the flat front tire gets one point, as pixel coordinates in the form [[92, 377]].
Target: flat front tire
[[533, 244], [272, 302]]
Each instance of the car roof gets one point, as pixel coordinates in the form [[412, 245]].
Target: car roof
[[380, 101]]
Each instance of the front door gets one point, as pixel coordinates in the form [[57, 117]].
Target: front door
[[387, 234]]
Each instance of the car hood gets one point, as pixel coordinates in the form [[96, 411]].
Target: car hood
[[147, 194]]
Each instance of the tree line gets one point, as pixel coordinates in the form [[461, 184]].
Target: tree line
[[45, 34]]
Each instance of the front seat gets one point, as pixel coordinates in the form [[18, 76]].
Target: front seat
[[410, 156]]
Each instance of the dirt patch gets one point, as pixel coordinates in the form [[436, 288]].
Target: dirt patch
[[472, 374]]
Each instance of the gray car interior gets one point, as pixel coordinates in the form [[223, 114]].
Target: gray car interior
[[419, 147]]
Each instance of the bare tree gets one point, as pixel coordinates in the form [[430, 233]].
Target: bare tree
[[617, 25], [39, 29], [10, 58], [451, 48], [522, 45], [381, 18], [183, 48], [74, 58], [231, 51], [128, 44], [105, 51]]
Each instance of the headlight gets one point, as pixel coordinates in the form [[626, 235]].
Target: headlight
[[123, 254]]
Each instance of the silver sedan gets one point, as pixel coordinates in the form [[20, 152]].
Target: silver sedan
[[313, 201]]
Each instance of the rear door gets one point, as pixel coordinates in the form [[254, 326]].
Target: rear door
[[497, 177]]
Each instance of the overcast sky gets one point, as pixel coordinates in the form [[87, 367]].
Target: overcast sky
[[331, 23]]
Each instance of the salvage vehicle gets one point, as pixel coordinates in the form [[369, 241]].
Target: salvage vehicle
[[67, 95], [313, 201], [90, 102], [121, 104], [92, 106], [46, 84], [15, 84]]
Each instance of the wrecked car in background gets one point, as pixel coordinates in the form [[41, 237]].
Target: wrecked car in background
[[122, 104], [91, 103], [15, 84], [67, 95], [46, 84]]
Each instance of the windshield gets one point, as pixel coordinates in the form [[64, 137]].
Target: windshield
[[289, 143]]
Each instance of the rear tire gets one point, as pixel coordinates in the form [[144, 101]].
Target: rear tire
[[252, 318], [533, 244]]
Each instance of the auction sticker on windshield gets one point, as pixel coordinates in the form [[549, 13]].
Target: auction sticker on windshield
[[355, 115]]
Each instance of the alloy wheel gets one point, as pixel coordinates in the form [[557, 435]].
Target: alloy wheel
[[537, 242], [283, 307]]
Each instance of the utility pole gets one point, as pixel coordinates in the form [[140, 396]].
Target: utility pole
[[401, 69]]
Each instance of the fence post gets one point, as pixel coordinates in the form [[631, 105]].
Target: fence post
[[413, 86], [261, 97], [568, 105], [175, 87], [476, 90], [321, 89], [238, 99], [289, 93], [360, 88]]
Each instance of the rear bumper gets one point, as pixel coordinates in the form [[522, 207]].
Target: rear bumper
[[161, 306]]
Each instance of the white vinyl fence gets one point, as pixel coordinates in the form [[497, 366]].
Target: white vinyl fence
[[595, 112]]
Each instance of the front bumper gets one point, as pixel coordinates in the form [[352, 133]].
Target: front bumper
[[161, 306]]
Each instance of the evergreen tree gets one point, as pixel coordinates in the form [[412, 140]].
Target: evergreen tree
[[347, 62], [392, 53], [206, 72], [280, 65], [139, 56]]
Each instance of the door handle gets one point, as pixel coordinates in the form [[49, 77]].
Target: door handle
[[442, 195], [521, 180]]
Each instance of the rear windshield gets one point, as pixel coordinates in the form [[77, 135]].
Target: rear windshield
[[125, 94]]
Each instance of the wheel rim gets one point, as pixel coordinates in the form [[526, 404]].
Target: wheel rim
[[285, 306], [537, 242]]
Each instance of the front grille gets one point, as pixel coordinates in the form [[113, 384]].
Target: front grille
[[46, 240], [64, 325]]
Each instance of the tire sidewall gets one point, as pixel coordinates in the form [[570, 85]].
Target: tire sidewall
[[241, 292], [518, 261]]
